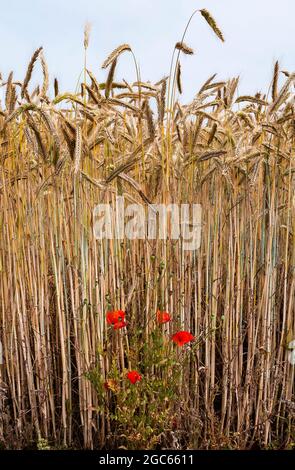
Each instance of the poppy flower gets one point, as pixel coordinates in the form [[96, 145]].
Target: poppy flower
[[182, 337], [163, 317], [133, 376], [116, 318]]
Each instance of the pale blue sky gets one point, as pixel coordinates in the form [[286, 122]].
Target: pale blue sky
[[257, 33]]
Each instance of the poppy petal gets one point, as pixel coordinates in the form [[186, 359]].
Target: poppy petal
[[163, 317], [133, 376], [182, 337], [115, 317]]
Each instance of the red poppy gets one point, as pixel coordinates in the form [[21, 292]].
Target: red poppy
[[182, 337], [133, 376], [116, 318], [163, 317]]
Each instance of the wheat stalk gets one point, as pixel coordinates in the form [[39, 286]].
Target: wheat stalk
[[78, 150]]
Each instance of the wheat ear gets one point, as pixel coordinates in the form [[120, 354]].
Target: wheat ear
[[30, 71], [212, 23], [115, 54]]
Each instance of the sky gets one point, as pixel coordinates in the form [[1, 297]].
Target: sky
[[257, 33]]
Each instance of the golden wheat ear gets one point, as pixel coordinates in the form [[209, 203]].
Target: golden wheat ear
[[56, 87], [274, 90], [30, 71], [110, 78], [87, 30], [181, 46], [45, 72], [115, 54], [178, 78], [212, 23]]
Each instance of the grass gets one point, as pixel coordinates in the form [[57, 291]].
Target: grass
[[63, 380]]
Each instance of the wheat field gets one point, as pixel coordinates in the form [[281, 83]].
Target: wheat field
[[63, 373]]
